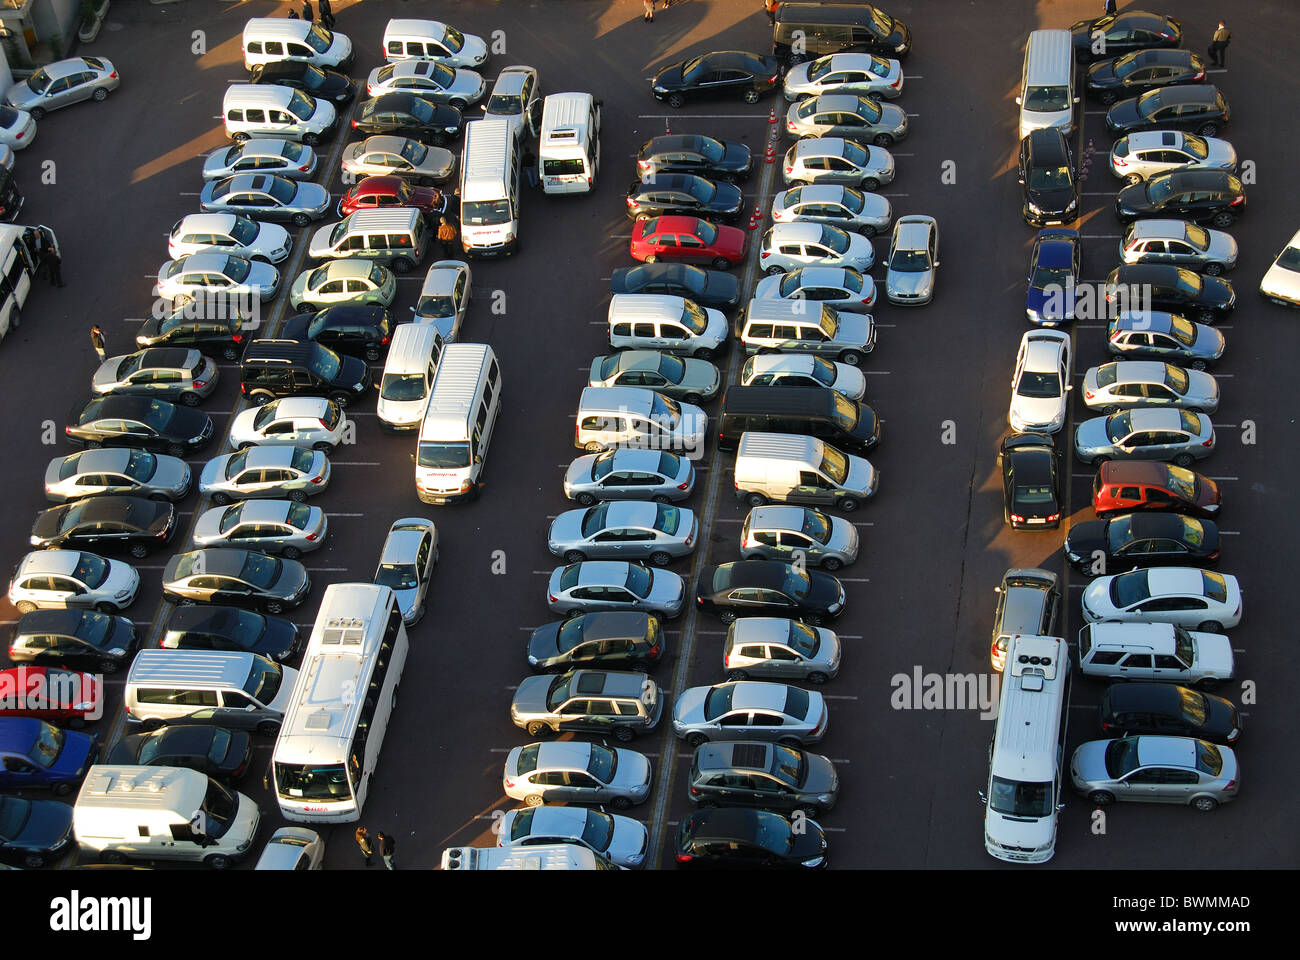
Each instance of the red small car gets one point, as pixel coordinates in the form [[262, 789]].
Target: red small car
[[48, 693], [379, 193], [1122, 486], [687, 240]]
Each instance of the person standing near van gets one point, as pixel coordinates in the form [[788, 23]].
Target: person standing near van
[[293, 14], [326, 15], [1219, 44], [363, 841], [387, 849], [306, 11], [1109, 7], [648, 6], [97, 341], [446, 237], [49, 254]]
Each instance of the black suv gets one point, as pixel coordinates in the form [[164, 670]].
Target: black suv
[[359, 330], [312, 80], [1205, 196], [1194, 108], [687, 194], [288, 368], [1047, 179], [1165, 709], [213, 336], [1136, 73]]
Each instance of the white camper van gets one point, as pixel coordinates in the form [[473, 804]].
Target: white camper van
[[568, 154]]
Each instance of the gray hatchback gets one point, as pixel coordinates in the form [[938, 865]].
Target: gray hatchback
[[771, 775]]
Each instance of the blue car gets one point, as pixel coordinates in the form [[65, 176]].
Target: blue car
[[1053, 276], [34, 753]]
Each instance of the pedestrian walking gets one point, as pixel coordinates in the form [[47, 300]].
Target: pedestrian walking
[[649, 7], [530, 168], [50, 256], [446, 237], [387, 849], [293, 14], [306, 11], [97, 341], [1219, 44], [1110, 8], [326, 15], [363, 841]]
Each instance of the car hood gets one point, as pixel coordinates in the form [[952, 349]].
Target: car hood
[[808, 844], [1038, 411], [187, 422], [722, 289], [628, 841], [47, 824], [105, 375], [689, 706], [1051, 200], [633, 771], [567, 527], [170, 473], [278, 641], [1029, 833], [737, 157], [1215, 292], [1214, 653], [1089, 762], [578, 473], [1037, 299], [1222, 718], [530, 697], [72, 759], [821, 777], [1281, 282], [826, 590], [1086, 537], [854, 328], [892, 116], [1102, 75], [1124, 115], [910, 283], [1223, 248], [700, 375], [1133, 197], [47, 524], [22, 97], [667, 587], [670, 77], [208, 526], [1091, 435], [293, 577], [543, 643]]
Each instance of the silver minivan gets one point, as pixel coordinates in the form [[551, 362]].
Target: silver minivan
[[397, 238], [165, 685]]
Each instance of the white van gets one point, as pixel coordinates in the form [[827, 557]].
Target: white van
[[568, 153], [463, 408], [162, 813], [655, 321], [268, 39], [166, 684], [268, 110], [542, 856], [433, 40], [489, 189], [396, 237], [1047, 85], [18, 263], [640, 418], [791, 468], [408, 376]]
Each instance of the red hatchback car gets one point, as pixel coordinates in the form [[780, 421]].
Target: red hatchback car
[[687, 240], [48, 693], [1124, 486], [380, 193]]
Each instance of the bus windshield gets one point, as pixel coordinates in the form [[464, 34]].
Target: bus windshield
[[302, 781]]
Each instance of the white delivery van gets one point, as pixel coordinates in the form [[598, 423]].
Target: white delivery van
[[792, 468], [458, 422], [268, 39], [544, 856], [568, 153], [1047, 86], [489, 189], [162, 813], [18, 263], [252, 110], [408, 376]]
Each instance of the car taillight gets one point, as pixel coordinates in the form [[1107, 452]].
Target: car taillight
[[789, 169], [1238, 201], [694, 790], [509, 784], [1231, 785], [773, 78], [790, 125], [237, 337], [311, 537], [643, 164], [684, 858], [1053, 518], [354, 124], [19, 136], [1208, 443], [765, 254], [383, 341], [895, 84], [243, 388], [699, 601], [200, 384], [682, 486], [631, 201], [323, 424], [304, 168], [317, 479], [1200, 75], [113, 75], [1213, 556], [654, 651], [1016, 518], [552, 597], [1121, 162], [689, 540]]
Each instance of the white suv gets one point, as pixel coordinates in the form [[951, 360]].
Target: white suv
[[1155, 651]]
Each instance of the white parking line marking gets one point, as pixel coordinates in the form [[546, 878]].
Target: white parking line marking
[[710, 633], [877, 373], [838, 696], [1224, 426], [693, 116], [328, 569], [1225, 478], [1099, 193], [355, 463], [1091, 326], [1077, 586], [1100, 236], [332, 515], [849, 636], [543, 572], [1229, 533], [854, 580]]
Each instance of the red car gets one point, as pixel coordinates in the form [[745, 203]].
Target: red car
[[687, 240], [1122, 486], [378, 193], [48, 693]]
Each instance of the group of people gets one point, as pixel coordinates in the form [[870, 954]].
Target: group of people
[[326, 14], [649, 7], [40, 241], [387, 847]]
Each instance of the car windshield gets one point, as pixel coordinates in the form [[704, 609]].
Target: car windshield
[[237, 269], [846, 412], [397, 576], [671, 368], [772, 833], [402, 386], [301, 105], [594, 520], [1044, 276], [1160, 189], [1047, 99], [1289, 259], [283, 190], [90, 570], [485, 212], [718, 700], [1215, 586], [668, 519], [1049, 178], [807, 108], [1198, 237], [670, 465], [796, 582], [302, 781], [1176, 379], [707, 232], [1190, 422], [665, 412], [443, 456], [1017, 798], [855, 153], [231, 517], [1118, 426], [38, 81], [834, 465], [804, 639], [413, 152], [1129, 588], [265, 415], [816, 525], [1122, 757], [823, 371], [711, 150], [910, 261], [46, 749], [505, 104], [638, 580], [1033, 494], [141, 465], [218, 808], [694, 318], [1209, 758], [835, 238], [1038, 384], [454, 40], [325, 363], [1183, 329], [1149, 103], [1182, 482], [243, 232], [602, 763], [260, 570], [263, 680], [1193, 707], [319, 38], [701, 189], [436, 305], [297, 515]]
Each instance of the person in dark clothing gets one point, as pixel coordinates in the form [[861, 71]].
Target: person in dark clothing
[[1219, 44], [387, 849], [326, 15], [49, 254], [363, 841], [293, 14], [1110, 8], [97, 341], [306, 12]]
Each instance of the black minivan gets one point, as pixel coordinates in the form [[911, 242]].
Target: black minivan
[[837, 28], [813, 411], [290, 368]]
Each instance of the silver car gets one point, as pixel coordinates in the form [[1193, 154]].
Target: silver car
[[858, 73], [381, 156], [17, 128], [63, 83], [750, 710], [1179, 770], [789, 246], [116, 470], [803, 370], [1177, 436], [837, 160], [841, 288], [1157, 335], [780, 649], [431, 79], [267, 197], [618, 702], [627, 474], [847, 115], [1181, 243], [622, 839], [72, 579], [228, 233], [406, 563], [682, 378], [284, 158], [1144, 154], [162, 373], [913, 260], [783, 533], [591, 586], [292, 848], [1125, 384], [444, 298], [836, 204], [624, 530], [283, 527], [205, 274], [256, 472], [572, 771], [516, 95]]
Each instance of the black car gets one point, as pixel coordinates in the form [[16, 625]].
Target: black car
[[766, 588], [1204, 196], [743, 839], [74, 640], [231, 718], [105, 525], [1031, 481], [1166, 709], [318, 82], [1136, 73], [724, 73], [358, 330], [239, 577], [1047, 179], [141, 422], [692, 153], [1141, 540], [708, 288], [1117, 34], [34, 832], [803, 31], [1171, 288], [202, 627], [290, 368], [212, 335], [618, 640], [684, 193], [215, 751], [408, 115], [1198, 108]]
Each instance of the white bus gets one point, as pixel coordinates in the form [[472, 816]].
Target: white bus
[[1027, 757], [568, 152], [329, 742]]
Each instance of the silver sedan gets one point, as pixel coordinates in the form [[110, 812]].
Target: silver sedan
[[860, 73], [1177, 436], [624, 530], [432, 80], [283, 527], [381, 156], [1124, 384], [682, 378], [267, 197], [406, 564], [444, 298], [778, 648], [845, 207], [1179, 770], [627, 474], [784, 532], [284, 158], [63, 83], [847, 115], [750, 710], [622, 839], [803, 370], [116, 470], [265, 472]]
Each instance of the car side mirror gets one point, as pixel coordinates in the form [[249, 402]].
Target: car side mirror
[[412, 458], [984, 800], [1069, 387], [1019, 101], [1075, 100], [937, 262]]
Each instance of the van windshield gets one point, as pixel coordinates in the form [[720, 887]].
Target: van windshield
[[318, 38], [1015, 798], [1046, 99], [263, 681], [301, 781], [218, 809], [443, 456], [402, 386], [478, 213], [835, 465], [301, 105], [694, 318]]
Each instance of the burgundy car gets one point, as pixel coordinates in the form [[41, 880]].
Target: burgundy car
[[1129, 485], [379, 193], [687, 240]]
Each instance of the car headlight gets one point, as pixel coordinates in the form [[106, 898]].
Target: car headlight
[[117, 652], [1031, 313], [835, 607], [825, 798], [659, 89], [196, 439], [121, 594], [82, 705], [358, 387], [1073, 205], [1034, 208], [814, 862], [902, 47]]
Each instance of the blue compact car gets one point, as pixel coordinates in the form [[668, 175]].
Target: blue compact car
[[1053, 275], [34, 753]]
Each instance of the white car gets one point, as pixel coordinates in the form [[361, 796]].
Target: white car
[[836, 204], [1181, 243], [838, 160], [860, 73], [295, 421], [284, 158], [1144, 154], [444, 43], [406, 563], [1041, 382], [841, 288], [72, 579], [203, 274], [1189, 597], [292, 848], [1281, 283], [1124, 384], [573, 771], [444, 298], [7, 157], [623, 840], [17, 128], [803, 370], [789, 246], [431, 79], [913, 260], [229, 234], [351, 280]]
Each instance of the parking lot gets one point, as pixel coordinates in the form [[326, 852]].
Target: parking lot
[[934, 545]]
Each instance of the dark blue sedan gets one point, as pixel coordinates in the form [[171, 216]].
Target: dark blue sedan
[[34, 753], [1053, 275]]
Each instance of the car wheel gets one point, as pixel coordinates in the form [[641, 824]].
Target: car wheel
[[794, 59], [100, 94], [93, 444], [325, 448], [34, 861], [727, 616], [790, 742], [341, 398], [310, 139], [1214, 269], [300, 219], [185, 602], [1101, 798], [817, 677], [584, 499], [1198, 365], [1133, 178], [812, 619], [1208, 683], [153, 723], [217, 861], [1208, 129], [260, 397], [139, 551], [696, 740], [623, 734], [175, 450], [62, 789], [1205, 804], [229, 353], [308, 307], [298, 496], [458, 103], [159, 498], [537, 729], [735, 676], [113, 856], [751, 95], [240, 138], [851, 357], [676, 101], [15, 319], [721, 263], [870, 183], [832, 563], [620, 803], [534, 800], [883, 140], [1098, 461], [26, 606], [273, 606], [694, 398], [574, 556], [220, 499], [402, 265], [704, 353], [291, 553], [848, 504], [756, 500], [775, 271], [267, 728], [662, 498], [107, 665], [652, 259], [1108, 98], [1109, 409], [661, 559], [373, 354], [1184, 460], [99, 607], [594, 447], [1223, 219]]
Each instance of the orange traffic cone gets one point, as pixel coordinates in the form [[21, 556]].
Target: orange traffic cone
[[771, 116], [771, 152]]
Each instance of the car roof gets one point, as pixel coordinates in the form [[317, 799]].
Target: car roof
[[380, 185], [819, 192], [612, 683], [1186, 93], [300, 407], [671, 143], [258, 147], [257, 182], [786, 518], [821, 147], [1134, 471], [381, 143], [734, 755], [95, 509], [1138, 371], [51, 561], [1149, 696], [603, 571], [751, 573], [615, 624], [1146, 139], [510, 81], [1159, 56], [851, 102], [821, 277], [731, 58], [1167, 751], [1167, 580], [630, 458], [671, 223], [111, 459], [563, 754], [797, 230], [215, 222], [221, 562], [1043, 355], [910, 234], [263, 510], [349, 267], [1156, 418], [18, 734], [759, 630], [728, 823], [1056, 253], [440, 279], [49, 621], [631, 513], [1147, 523], [401, 546], [782, 362], [1047, 145], [62, 68], [207, 617], [1158, 321], [849, 61]]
